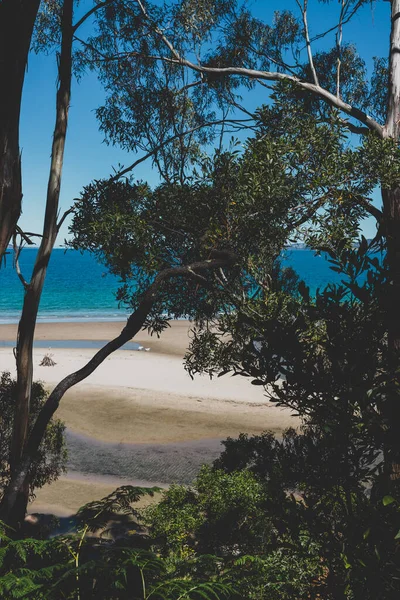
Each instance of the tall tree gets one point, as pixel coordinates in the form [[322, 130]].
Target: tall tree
[[17, 19], [193, 57]]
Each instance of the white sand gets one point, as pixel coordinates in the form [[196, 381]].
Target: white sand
[[142, 370], [142, 397]]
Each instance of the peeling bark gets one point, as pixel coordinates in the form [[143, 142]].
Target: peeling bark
[[17, 18]]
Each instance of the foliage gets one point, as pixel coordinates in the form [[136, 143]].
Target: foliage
[[146, 54], [78, 566], [291, 518], [223, 526], [206, 512], [291, 182], [319, 521], [51, 458], [326, 358]]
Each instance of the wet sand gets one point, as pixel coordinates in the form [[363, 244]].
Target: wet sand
[[174, 339], [140, 415]]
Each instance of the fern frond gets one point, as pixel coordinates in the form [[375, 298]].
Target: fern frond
[[96, 514]]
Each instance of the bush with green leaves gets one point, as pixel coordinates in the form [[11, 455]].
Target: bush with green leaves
[[223, 526], [325, 357], [51, 458], [293, 172]]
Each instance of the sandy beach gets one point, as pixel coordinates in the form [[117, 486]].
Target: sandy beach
[[173, 341], [139, 413]]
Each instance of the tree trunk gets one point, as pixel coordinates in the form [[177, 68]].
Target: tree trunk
[[27, 324], [17, 18], [391, 215], [391, 205]]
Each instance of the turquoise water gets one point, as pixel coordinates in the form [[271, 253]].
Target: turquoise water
[[79, 289]]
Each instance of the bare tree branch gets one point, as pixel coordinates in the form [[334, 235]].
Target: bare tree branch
[[66, 214], [339, 37], [315, 89], [90, 12], [303, 10], [334, 27], [26, 235], [17, 252]]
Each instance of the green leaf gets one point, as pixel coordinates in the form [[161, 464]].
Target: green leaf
[[388, 500]]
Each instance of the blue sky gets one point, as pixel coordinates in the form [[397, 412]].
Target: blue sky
[[88, 158]]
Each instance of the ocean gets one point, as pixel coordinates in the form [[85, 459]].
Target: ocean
[[78, 288]]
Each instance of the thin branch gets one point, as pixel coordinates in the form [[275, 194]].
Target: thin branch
[[17, 252], [25, 235], [334, 27], [65, 215], [172, 139], [307, 38], [290, 68], [354, 128], [339, 37], [309, 213], [90, 12], [166, 41], [104, 58], [189, 85]]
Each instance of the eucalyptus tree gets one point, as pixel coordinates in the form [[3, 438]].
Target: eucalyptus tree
[[50, 26], [197, 58]]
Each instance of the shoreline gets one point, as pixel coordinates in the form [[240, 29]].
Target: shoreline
[[173, 341], [140, 416]]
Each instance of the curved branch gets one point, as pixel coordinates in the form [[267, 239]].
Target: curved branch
[[346, 20], [17, 252], [172, 139], [322, 93], [354, 128], [303, 10], [367, 205], [91, 12], [219, 259], [314, 88], [66, 214]]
